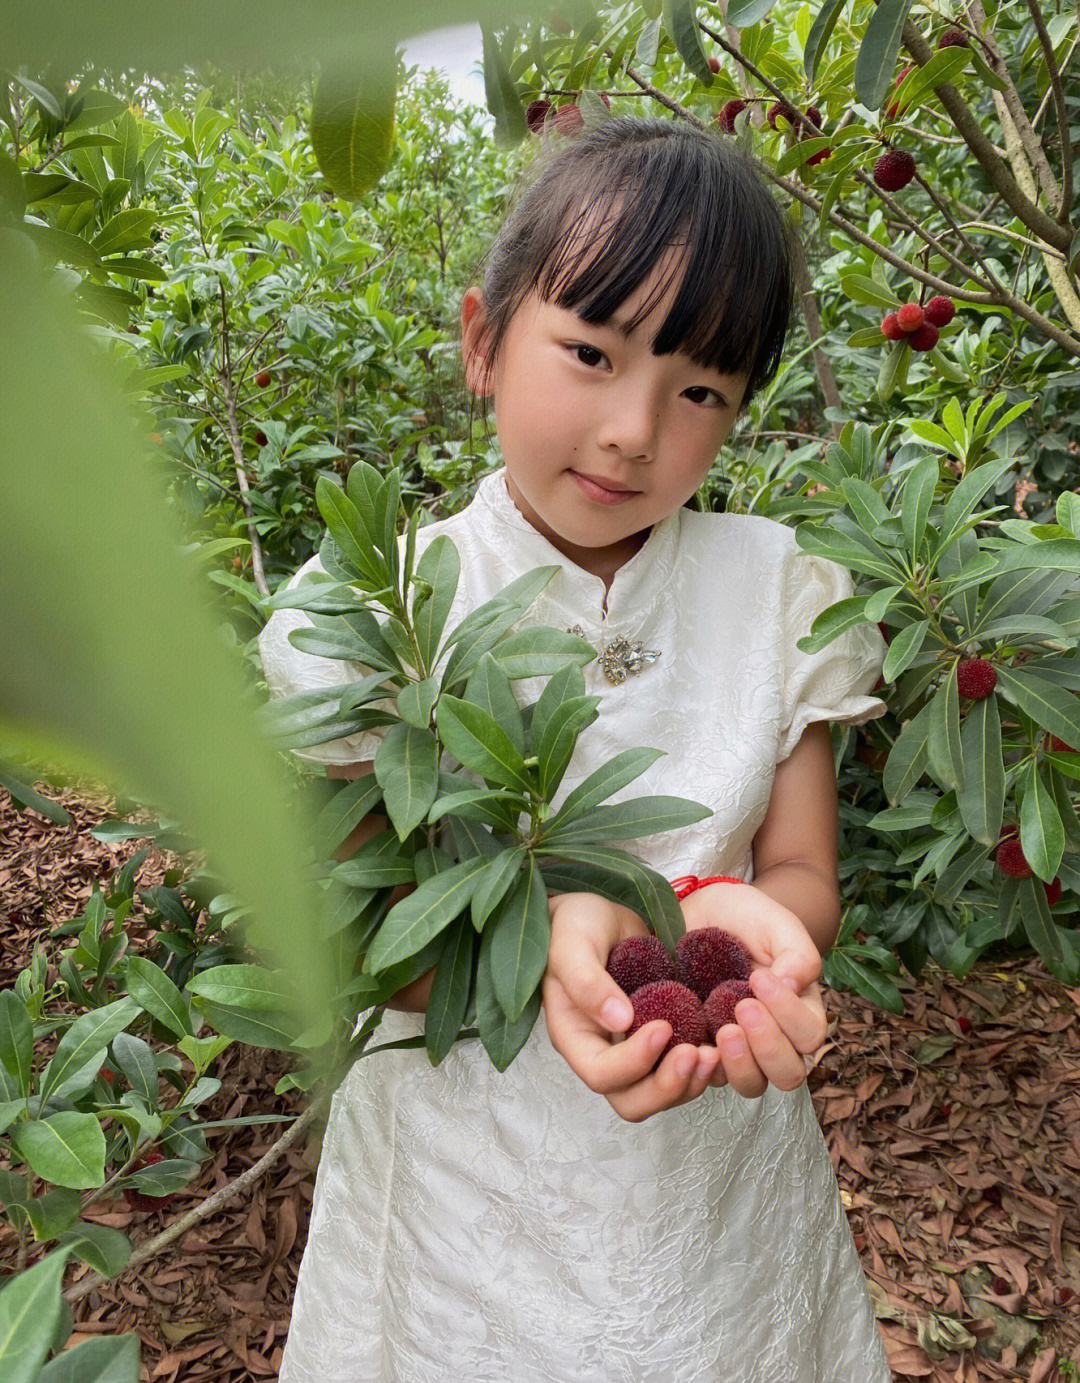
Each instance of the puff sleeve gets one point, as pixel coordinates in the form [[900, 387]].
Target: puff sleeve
[[288, 670], [832, 684]]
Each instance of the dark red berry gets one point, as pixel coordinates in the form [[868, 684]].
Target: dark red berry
[[779, 108], [925, 339], [535, 113], [909, 317], [260, 437], [714, 64], [946, 1110], [263, 379], [1053, 890], [976, 678], [894, 170], [964, 1024], [1000, 1286], [940, 311], [954, 38], [726, 118], [568, 119], [1012, 860]]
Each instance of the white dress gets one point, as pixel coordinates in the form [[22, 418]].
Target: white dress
[[472, 1226]]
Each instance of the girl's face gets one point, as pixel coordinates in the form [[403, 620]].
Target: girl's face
[[601, 438]]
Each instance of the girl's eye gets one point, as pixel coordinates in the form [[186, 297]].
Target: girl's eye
[[701, 389], [582, 351]]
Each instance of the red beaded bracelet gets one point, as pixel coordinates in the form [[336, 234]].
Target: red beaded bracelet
[[690, 883]]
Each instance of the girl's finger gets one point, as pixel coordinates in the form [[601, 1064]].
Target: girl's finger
[[800, 1018], [777, 1060], [666, 1087], [742, 1071]]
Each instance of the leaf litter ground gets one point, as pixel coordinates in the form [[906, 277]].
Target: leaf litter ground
[[954, 1131]]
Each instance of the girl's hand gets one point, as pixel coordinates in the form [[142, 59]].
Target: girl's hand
[[777, 1029], [577, 990]]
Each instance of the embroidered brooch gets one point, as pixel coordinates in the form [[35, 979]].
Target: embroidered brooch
[[621, 657]]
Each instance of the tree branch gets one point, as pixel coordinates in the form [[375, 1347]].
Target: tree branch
[[1059, 109]]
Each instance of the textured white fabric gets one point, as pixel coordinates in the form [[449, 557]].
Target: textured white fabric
[[511, 1227]]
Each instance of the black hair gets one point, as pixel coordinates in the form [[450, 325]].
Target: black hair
[[645, 184]]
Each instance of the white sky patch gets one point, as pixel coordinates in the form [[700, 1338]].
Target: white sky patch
[[458, 51]]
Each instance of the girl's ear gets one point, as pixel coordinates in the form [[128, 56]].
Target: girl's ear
[[473, 321]]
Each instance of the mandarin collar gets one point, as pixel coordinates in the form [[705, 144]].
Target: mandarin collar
[[577, 593]]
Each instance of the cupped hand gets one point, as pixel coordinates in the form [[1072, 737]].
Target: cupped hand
[[785, 1021], [577, 991]]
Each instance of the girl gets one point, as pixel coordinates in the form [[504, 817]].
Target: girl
[[576, 1219]]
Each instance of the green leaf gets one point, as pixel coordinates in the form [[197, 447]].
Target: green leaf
[[893, 372], [127, 230], [106, 1250], [566, 684], [377, 864], [250, 987], [819, 35], [352, 801], [603, 782], [86, 1036], [30, 1311], [832, 622], [681, 24], [342, 519], [440, 567], [540, 651], [136, 1060], [876, 60], [904, 649], [499, 877], [450, 988], [919, 486], [150, 987], [108, 1359], [416, 701], [67, 1149], [642, 816], [943, 743], [519, 947], [743, 13], [555, 746], [480, 743], [416, 920], [489, 688], [501, 94], [352, 121], [497, 807], [1042, 836], [841, 969], [24, 795], [1053, 707], [16, 1039], [52, 1213], [967, 494], [908, 757], [655, 899], [1039, 925], [861, 288], [407, 770], [982, 798], [848, 552], [502, 1039], [275, 1031]]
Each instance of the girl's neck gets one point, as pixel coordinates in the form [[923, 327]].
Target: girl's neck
[[598, 561]]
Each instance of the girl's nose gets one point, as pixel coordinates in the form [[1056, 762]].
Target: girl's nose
[[630, 425]]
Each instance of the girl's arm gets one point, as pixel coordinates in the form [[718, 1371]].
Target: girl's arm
[[414, 997]]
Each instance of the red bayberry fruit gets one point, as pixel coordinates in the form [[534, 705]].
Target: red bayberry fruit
[[1061, 746], [264, 379], [1064, 1295], [107, 1075], [728, 112], [884, 629], [909, 317], [895, 109], [780, 108], [812, 114], [237, 562], [674, 1002], [819, 157], [1053, 890], [535, 113], [138, 1200], [568, 119], [1000, 1286], [940, 311], [993, 1195], [606, 99], [976, 678], [879, 683], [707, 956], [891, 328], [946, 1110], [964, 1024], [260, 437], [714, 64], [720, 1005], [894, 170], [925, 339], [639, 960], [1007, 830], [1012, 860], [953, 38]]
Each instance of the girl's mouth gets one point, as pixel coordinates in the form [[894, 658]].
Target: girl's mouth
[[600, 494]]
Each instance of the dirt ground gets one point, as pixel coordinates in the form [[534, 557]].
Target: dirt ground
[[954, 1131]]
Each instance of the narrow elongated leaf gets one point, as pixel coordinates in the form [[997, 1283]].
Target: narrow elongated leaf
[[514, 598], [876, 61], [407, 769], [967, 494], [498, 807], [908, 757], [904, 649], [30, 1309], [502, 1039], [250, 987], [489, 688], [655, 902], [450, 988], [565, 685], [440, 567], [943, 743], [498, 879], [919, 489], [604, 782], [848, 552], [377, 864], [842, 970], [982, 798], [1049, 705], [832, 622], [743, 13], [67, 1148], [1042, 835], [105, 1249], [519, 947], [87, 1035], [643, 816], [108, 1359], [480, 743], [1041, 929], [539, 652], [347, 529], [149, 986], [414, 921], [555, 747], [501, 94], [819, 35], [16, 1039], [352, 801], [136, 1060], [680, 21]]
